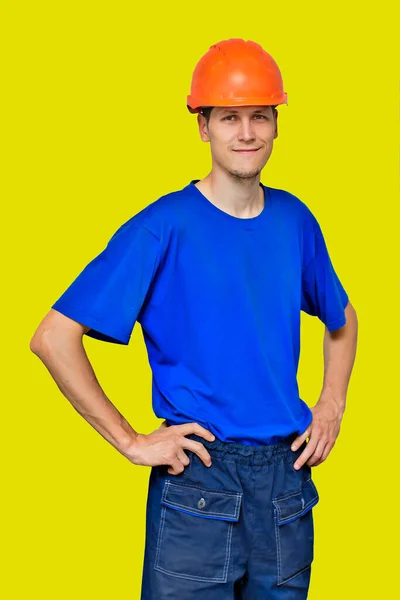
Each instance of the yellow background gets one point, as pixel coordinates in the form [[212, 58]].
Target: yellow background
[[94, 128]]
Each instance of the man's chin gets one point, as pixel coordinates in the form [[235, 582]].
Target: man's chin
[[238, 174]]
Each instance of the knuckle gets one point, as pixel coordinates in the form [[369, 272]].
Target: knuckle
[[177, 440]]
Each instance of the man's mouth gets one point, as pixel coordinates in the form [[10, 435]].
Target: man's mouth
[[247, 151]]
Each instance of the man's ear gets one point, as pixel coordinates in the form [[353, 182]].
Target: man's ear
[[276, 124], [203, 129]]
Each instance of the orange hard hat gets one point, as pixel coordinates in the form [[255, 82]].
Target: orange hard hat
[[236, 72]]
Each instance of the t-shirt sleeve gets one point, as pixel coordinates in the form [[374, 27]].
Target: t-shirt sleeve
[[323, 295], [108, 294]]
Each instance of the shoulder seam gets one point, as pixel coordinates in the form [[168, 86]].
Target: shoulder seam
[[153, 234]]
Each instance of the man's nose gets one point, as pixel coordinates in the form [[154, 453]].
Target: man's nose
[[246, 130]]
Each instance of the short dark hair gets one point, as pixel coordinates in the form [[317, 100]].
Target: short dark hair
[[206, 111]]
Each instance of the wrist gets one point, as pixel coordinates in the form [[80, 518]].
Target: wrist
[[132, 449], [337, 400]]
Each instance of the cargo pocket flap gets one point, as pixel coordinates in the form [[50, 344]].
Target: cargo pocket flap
[[203, 502], [293, 506]]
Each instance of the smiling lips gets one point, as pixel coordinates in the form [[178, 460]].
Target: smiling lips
[[247, 151]]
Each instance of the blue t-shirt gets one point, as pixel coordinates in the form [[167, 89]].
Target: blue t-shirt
[[218, 298]]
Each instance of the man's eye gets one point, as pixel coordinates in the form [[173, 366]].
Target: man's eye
[[231, 116]]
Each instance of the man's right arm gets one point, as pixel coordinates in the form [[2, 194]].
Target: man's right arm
[[58, 343]]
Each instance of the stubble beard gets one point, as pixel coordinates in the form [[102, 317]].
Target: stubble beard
[[240, 176]]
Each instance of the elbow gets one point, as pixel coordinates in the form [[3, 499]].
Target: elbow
[[43, 337], [47, 333], [36, 344], [33, 345]]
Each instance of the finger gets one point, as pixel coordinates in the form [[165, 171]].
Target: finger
[[317, 453], [176, 467], [301, 438], [307, 452], [197, 448], [183, 457], [325, 454], [188, 428]]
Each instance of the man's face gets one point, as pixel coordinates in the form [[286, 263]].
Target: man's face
[[232, 129]]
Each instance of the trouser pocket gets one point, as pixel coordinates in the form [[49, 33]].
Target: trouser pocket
[[294, 530], [195, 532]]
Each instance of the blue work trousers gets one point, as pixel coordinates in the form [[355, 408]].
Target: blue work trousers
[[240, 529]]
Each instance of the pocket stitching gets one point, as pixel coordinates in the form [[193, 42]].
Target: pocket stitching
[[294, 493], [205, 490], [228, 546], [221, 579], [312, 502], [281, 581], [304, 508], [208, 490], [159, 538]]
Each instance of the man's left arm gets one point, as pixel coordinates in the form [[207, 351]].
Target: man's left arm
[[339, 355]]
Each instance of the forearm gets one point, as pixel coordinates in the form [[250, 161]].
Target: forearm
[[339, 356], [67, 361]]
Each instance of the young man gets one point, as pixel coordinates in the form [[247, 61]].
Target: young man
[[217, 273]]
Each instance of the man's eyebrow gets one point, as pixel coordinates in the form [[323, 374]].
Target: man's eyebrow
[[233, 111]]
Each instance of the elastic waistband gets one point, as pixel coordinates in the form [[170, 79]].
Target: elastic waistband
[[253, 454]]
